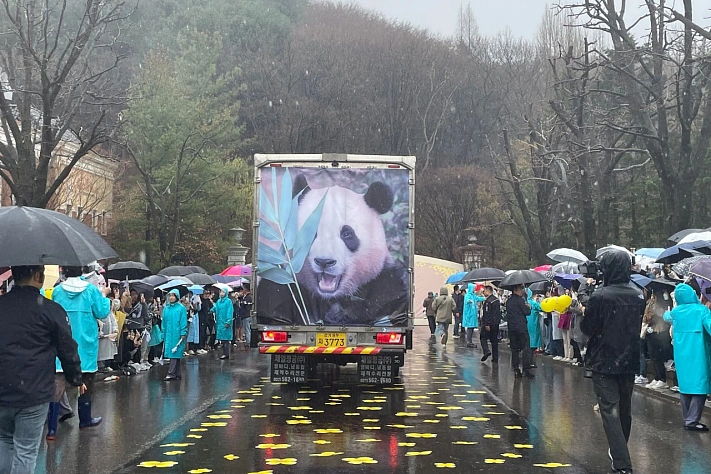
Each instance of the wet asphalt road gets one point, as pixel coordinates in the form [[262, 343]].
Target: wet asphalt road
[[452, 413]]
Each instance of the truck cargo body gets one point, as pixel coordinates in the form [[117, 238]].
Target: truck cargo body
[[334, 258]]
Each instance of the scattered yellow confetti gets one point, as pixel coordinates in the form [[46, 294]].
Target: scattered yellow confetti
[[325, 454], [215, 423], [403, 444], [513, 427], [360, 460], [328, 430], [458, 427], [371, 427], [431, 421], [332, 403], [469, 401], [494, 461], [352, 414], [303, 399], [308, 391], [259, 416], [321, 441], [316, 411], [299, 417], [231, 457], [401, 426], [413, 407], [369, 408], [450, 408], [198, 429], [274, 404], [224, 411], [283, 461], [300, 408], [368, 440], [490, 406], [194, 436], [370, 420], [475, 418], [442, 415], [492, 436], [242, 400], [276, 397], [460, 385], [434, 403], [157, 464], [268, 471], [421, 435], [174, 453], [551, 465], [270, 435], [477, 392], [511, 455], [450, 465], [494, 413], [405, 413], [375, 401], [177, 445], [237, 406], [418, 453], [341, 396], [202, 470], [466, 443], [272, 446], [523, 446]]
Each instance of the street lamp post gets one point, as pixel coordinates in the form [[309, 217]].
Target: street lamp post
[[236, 253]]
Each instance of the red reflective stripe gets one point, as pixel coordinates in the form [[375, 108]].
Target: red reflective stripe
[[317, 350]]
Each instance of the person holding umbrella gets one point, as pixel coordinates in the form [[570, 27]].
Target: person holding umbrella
[[35, 332], [517, 311], [224, 319], [175, 333]]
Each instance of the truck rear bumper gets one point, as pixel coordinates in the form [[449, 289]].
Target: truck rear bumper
[[280, 349]]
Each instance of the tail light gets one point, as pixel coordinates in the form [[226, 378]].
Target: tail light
[[274, 336], [389, 338]]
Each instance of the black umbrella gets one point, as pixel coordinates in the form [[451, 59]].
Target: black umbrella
[[660, 285], [683, 233], [176, 270], [155, 280], [127, 271], [540, 287], [521, 277], [484, 274], [32, 236], [201, 279], [196, 269]]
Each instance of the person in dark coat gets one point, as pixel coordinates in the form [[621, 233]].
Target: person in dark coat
[[35, 332], [517, 311], [430, 313], [490, 320], [459, 311], [613, 321]]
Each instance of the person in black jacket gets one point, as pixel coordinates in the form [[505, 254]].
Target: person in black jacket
[[458, 297], [517, 311], [613, 321], [490, 320], [35, 332]]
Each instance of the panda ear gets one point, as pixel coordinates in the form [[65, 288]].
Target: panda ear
[[379, 197], [300, 184]]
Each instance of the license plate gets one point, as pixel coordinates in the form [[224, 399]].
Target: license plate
[[331, 339]]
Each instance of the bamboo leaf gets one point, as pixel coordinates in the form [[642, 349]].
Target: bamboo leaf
[[265, 207], [269, 255], [264, 266], [277, 275], [268, 232], [306, 236], [285, 200], [274, 194], [291, 229]]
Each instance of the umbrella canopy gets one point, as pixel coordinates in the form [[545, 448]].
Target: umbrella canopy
[[652, 253], [237, 270], [569, 268], [226, 279], [540, 287], [196, 289], [155, 280], [174, 283], [127, 271], [176, 270], [32, 236], [455, 278], [484, 274], [682, 233], [675, 254], [696, 236], [521, 277], [196, 269], [660, 285], [223, 287], [640, 280], [566, 280], [200, 279], [609, 248], [683, 267], [567, 255], [701, 269]]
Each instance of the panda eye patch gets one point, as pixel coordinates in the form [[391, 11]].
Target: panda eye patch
[[349, 238]]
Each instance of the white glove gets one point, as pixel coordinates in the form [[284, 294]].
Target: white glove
[[174, 350]]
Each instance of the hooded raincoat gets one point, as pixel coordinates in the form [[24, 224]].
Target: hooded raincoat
[[471, 308], [444, 306], [174, 327], [534, 328], [224, 318], [84, 305], [691, 321]]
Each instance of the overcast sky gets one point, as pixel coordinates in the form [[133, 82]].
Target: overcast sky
[[520, 16]]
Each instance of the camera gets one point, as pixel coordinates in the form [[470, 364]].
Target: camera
[[590, 269]]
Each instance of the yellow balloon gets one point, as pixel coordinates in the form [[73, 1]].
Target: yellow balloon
[[561, 305], [567, 299], [548, 305]]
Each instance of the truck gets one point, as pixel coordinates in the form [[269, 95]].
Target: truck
[[333, 261]]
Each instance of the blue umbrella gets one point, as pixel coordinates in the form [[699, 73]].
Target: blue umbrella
[[652, 253], [174, 283], [640, 280], [674, 254], [196, 289], [566, 280], [455, 278]]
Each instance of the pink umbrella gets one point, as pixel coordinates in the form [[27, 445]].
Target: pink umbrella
[[543, 268], [237, 270]]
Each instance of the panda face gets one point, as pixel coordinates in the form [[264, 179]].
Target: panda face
[[350, 248]]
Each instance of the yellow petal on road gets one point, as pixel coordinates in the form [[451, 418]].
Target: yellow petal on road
[[513, 427], [174, 453], [360, 460], [551, 465], [450, 465], [492, 436], [321, 441], [475, 418], [281, 461], [494, 461], [408, 445], [198, 429], [511, 455], [177, 445], [523, 446], [467, 443], [202, 470], [231, 457], [194, 436], [325, 454], [418, 453], [368, 440], [157, 464]]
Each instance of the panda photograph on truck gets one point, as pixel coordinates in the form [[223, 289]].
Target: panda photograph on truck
[[333, 246]]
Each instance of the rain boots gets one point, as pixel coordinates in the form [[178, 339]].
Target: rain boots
[[52, 418], [85, 419]]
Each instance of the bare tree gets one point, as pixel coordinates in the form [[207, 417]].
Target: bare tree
[[56, 58]]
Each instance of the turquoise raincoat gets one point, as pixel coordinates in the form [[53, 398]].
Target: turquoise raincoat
[[471, 310], [84, 305], [534, 327], [692, 344], [224, 315], [174, 327]]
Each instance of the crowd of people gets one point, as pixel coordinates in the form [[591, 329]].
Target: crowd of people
[[611, 327], [82, 327]]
